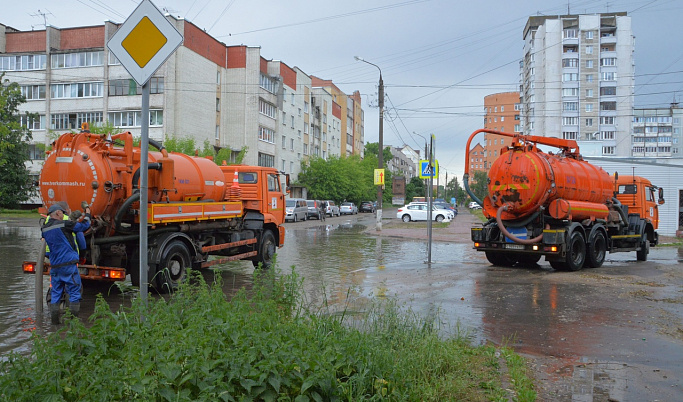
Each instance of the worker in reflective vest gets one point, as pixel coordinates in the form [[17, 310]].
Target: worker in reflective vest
[[64, 276]]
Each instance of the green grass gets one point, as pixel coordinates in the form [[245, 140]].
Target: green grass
[[19, 213], [263, 344], [479, 214]]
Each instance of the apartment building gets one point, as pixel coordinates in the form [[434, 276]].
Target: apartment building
[[657, 132], [501, 113], [229, 96], [403, 162], [577, 80], [477, 160]]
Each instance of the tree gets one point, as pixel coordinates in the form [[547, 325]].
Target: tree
[[479, 184], [341, 178], [415, 188], [15, 183], [371, 148], [454, 190]]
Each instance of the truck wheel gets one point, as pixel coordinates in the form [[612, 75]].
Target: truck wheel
[[576, 254], [406, 218], [266, 250], [641, 254], [500, 259], [439, 218], [597, 248], [172, 269]]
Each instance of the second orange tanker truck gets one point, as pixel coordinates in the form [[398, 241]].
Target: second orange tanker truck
[[196, 208], [559, 206]]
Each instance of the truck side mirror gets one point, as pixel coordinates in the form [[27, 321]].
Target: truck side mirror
[[661, 196]]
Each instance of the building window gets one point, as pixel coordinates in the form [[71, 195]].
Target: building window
[[267, 83], [570, 62], [589, 34], [130, 87], [293, 121], [76, 90], [69, 121], [608, 105], [266, 160], [589, 93], [306, 107], [608, 91], [589, 77], [570, 33], [607, 135], [81, 59], [291, 144], [218, 104], [268, 109], [589, 107], [589, 122], [570, 77], [569, 135], [133, 118], [570, 91], [23, 63], [284, 142], [570, 121], [266, 134], [305, 149], [33, 92], [570, 106], [33, 123], [589, 49], [218, 132], [607, 120], [589, 63], [610, 76], [608, 150]]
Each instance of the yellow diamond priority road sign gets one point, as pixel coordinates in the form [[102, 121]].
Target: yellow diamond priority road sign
[[144, 42]]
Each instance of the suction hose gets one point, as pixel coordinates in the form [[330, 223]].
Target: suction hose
[[465, 181], [511, 236]]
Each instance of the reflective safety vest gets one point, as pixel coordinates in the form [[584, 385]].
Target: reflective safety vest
[[64, 218]]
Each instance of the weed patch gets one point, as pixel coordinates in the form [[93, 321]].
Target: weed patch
[[262, 344]]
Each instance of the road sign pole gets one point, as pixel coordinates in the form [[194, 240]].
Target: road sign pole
[[429, 200], [144, 162]]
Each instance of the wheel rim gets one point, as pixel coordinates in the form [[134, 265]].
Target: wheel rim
[[406, 218], [599, 247], [577, 251], [439, 218]]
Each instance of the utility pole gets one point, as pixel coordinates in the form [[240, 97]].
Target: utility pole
[[380, 157]]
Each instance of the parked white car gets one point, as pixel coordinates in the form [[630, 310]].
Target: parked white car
[[474, 205], [449, 212], [348, 208], [418, 212]]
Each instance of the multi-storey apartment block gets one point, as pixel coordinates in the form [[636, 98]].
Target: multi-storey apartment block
[[577, 80], [501, 113], [229, 96], [658, 132]]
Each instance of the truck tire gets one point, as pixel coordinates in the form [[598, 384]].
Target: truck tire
[[576, 253], [641, 255], [597, 249], [173, 267], [266, 250], [500, 259]]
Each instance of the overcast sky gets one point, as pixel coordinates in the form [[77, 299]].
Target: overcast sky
[[439, 58]]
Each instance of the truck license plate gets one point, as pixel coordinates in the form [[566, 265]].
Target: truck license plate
[[514, 246]]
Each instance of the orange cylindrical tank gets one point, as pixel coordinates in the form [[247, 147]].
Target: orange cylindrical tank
[[525, 178], [104, 172]]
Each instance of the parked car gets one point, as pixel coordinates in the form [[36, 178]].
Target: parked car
[[418, 212], [331, 208], [315, 209], [445, 205], [449, 212], [474, 205], [296, 209], [366, 206], [348, 208]]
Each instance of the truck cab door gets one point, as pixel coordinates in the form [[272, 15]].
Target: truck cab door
[[275, 200]]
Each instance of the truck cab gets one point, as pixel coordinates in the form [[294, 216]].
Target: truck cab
[[638, 193]]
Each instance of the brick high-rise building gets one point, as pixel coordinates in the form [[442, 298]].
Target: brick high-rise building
[[501, 113]]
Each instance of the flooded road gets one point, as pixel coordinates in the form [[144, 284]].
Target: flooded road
[[614, 333]]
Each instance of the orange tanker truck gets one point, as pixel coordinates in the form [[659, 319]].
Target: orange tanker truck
[[196, 208], [559, 206]]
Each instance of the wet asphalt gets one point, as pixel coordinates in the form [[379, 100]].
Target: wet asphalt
[[613, 333]]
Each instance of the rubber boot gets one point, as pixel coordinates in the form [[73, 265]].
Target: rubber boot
[[54, 313], [75, 308]]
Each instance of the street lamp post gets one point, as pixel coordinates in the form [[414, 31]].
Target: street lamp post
[[381, 144]]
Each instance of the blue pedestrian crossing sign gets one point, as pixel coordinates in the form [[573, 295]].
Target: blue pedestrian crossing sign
[[426, 170]]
